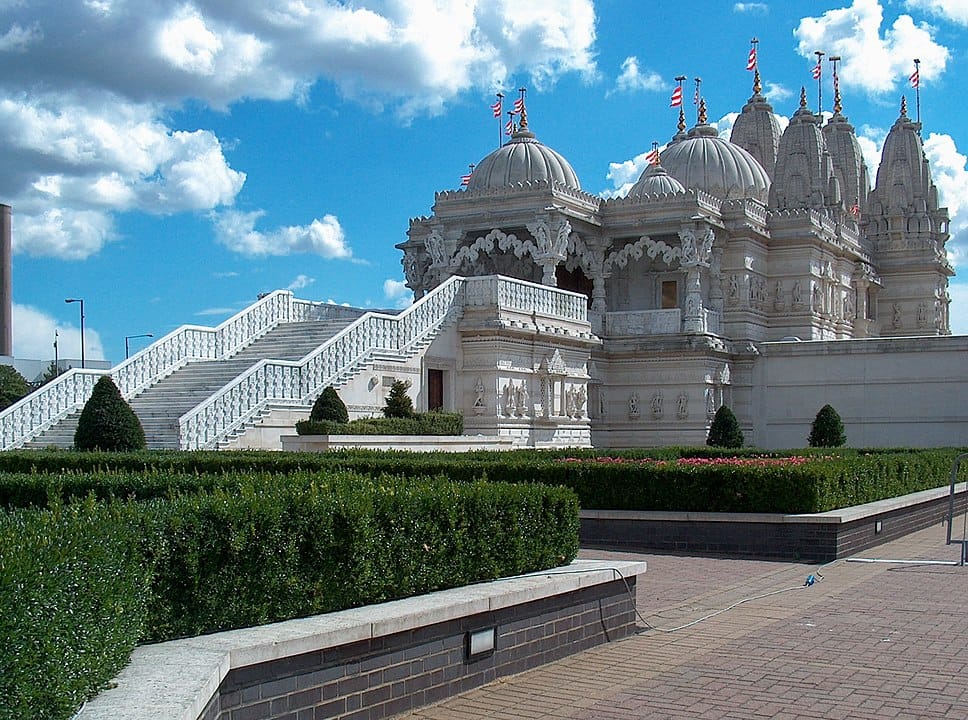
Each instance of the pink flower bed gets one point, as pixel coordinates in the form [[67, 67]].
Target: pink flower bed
[[699, 462]]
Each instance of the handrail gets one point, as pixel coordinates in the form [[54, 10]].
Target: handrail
[[951, 507], [44, 407], [236, 404]]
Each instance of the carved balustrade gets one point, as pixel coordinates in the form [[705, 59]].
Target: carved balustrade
[[46, 406]]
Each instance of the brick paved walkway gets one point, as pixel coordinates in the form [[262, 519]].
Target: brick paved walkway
[[867, 641]]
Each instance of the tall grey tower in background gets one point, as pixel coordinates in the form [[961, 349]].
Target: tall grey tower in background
[[6, 283]]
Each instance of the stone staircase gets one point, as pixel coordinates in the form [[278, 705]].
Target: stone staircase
[[160, 405]]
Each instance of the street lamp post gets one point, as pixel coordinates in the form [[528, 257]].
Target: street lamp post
[[81, 301], [131, 337]]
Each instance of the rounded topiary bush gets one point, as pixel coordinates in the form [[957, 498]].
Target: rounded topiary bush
[[725, 430], [399, 403], [107, 422], [827, 429], [328, 406]]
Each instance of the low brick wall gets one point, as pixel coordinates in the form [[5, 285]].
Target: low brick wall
[[819, 537], [381, 660]]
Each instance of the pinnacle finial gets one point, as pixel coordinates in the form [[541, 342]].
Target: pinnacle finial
[[702, 111], [837, 104], [757, 87], [682, 120], [803, 97], [904, 106]]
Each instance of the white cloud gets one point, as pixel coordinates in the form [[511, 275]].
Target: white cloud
[[217, 311], [300, 281], [753, 7], [236, 230], [33, 337], [69, 166], [98, 138], [871, 141], [949, 168], [18, 37], [954, 10], [397, 292], [632, 79], [959, 300], [871, 61], [776, 92]]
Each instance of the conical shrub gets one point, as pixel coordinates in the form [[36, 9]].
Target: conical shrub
[[328, 406], [398, 403], [827, 429], [725, 430], [107, 422]]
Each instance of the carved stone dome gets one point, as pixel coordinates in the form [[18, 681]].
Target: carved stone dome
[[655, 181], [522, 160], [704, 161]]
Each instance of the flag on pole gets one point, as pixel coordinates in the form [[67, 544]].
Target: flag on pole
[[855, 209], [653, 157], [817, 70], [751, 63], [695, 98], [496, 107], [676, 99], [509, 125], [465, 180], [916, 79], [836, 83], [519, 105]]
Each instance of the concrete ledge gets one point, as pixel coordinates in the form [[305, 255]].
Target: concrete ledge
[[413, 443], [819, 536], [185, 679]]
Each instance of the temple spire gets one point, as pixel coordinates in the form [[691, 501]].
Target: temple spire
[[682, 120], [803, 98], [904, 106]]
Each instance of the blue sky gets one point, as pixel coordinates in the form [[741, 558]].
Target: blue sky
[[168, 161]]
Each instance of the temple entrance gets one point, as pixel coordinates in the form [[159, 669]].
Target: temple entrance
[[435, 389]]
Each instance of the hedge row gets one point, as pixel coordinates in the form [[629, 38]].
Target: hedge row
[[72, 606], [431, 423], [81, 584], [826, 481]]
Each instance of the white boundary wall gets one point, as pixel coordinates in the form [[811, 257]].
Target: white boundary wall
[[904, 392]]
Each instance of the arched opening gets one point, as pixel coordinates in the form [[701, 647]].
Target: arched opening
[[574, 280]]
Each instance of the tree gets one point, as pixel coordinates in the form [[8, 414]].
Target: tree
[[13, 386], [399, 403], [49, 374], [725, 430], [107, 422], [328, 406], [827, 429]]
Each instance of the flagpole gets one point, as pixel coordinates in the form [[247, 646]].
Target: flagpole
[[834, 59], [819, 55], [698, 97], [917, 90], [500, 119]]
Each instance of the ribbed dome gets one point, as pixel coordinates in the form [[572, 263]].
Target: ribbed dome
[[704, 161], [655, 181], [521, 160]]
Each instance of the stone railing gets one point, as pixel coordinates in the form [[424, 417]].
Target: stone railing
[[643, 322], [371, 336], [49, 404], [510, 294], [236, 404]]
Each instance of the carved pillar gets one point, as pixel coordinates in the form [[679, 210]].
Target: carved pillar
[[696, 254], [551, 242]]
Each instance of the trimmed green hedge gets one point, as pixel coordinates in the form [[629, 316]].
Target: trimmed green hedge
[[81, 583], [431, 423], [72, 606], [833, 480]]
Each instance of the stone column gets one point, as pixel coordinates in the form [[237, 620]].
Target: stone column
[[696, 254]]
